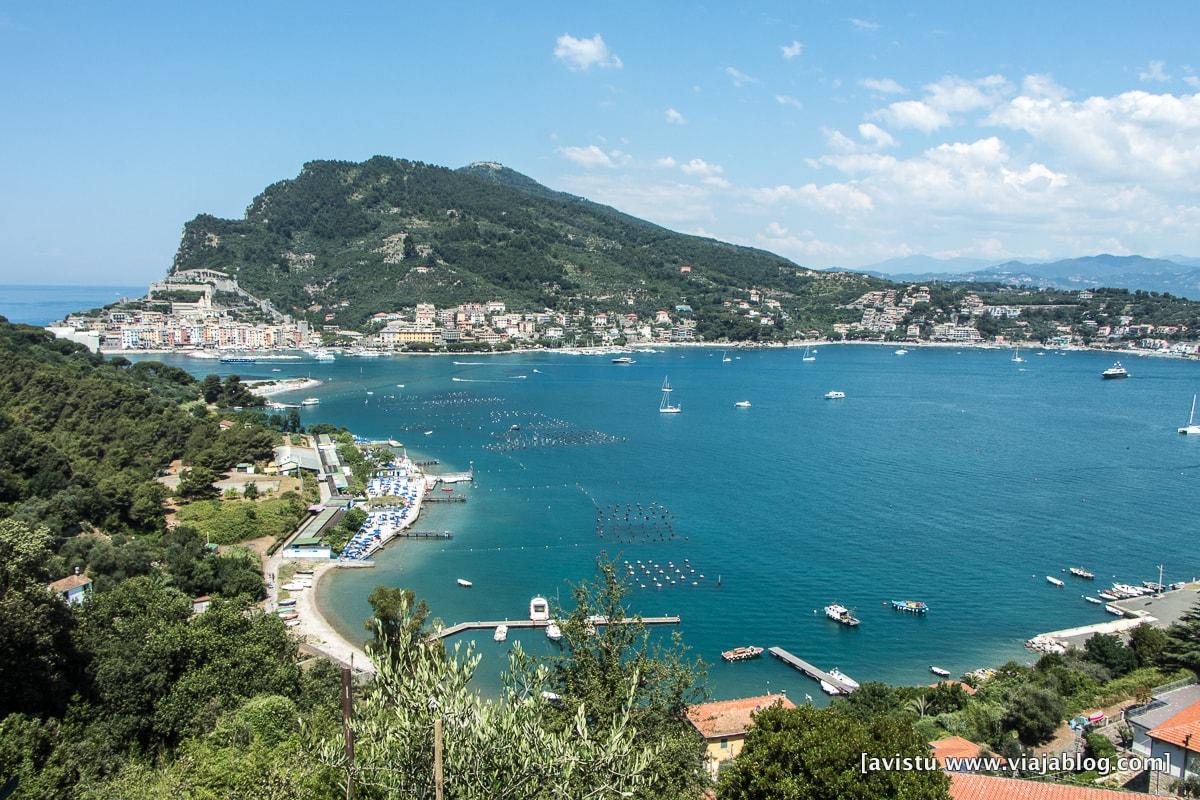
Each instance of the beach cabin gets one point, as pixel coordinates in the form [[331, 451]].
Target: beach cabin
[[724, 725], [73, 588]]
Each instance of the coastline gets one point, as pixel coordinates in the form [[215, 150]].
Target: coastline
[[270, 387], [316, 631]]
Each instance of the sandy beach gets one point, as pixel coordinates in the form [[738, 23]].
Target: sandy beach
[[281, 386], [315, 631]]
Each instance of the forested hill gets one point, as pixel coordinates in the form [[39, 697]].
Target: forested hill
[[353, 239]]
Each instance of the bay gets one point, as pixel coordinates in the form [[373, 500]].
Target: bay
[[955, 477], [42, 305]]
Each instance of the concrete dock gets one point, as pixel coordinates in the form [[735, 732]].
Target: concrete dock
[[453, 630], [808, 669]]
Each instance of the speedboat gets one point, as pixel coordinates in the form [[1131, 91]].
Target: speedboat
[[845, 679], [742, 404], [1115, 371], [553, 632], [835, 395], [501, 633], [621, 360], [1053, 580], [941, 673], [463, 582], [901, 352]]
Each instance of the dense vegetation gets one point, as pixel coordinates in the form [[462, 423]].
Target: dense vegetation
[[353, 239]]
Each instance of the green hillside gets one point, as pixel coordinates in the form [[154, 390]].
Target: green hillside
[[353, 239]]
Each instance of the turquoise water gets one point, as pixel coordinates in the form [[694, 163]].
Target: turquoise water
[[41, 305], [954, 477]]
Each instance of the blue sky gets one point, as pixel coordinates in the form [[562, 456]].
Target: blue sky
[[832, 133]]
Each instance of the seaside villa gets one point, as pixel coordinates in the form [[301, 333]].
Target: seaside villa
[[724, 725], [73, 588]]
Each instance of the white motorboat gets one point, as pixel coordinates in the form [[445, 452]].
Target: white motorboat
[[463, 582], [553, 632], [1115, 372], [941, 673], [501, 633], [1054, 580], [742, 404], [835, 395], [845, 679], [901, 352], [1191, 429], [830, 689], [665, 406], [310, 401], [1094, 600], [539, 609], [621, 360], [839, 613]]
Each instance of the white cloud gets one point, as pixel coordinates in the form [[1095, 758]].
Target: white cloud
[[682, 205], [1192, 81], [863, 24], [778, 238], [876, 135], [1043, 86], [738, 77], [1155, 71], [674, 117], [837, 197], [590, 156], [698, 166], [913, 114], [714, 180], [788, 100], [792, 50], [666, 162], [582, 54], [882, 86]]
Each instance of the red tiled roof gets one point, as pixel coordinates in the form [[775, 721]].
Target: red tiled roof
[[954, 747], [966, 687], [731, 717], [1183, 729], [968, 786], [70, 582]]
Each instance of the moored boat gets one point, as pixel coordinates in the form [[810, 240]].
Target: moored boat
[[910, 606], [1094, 600], [1079, 572], [1109, 596], [1114, 372], [830, 689], [1191, 429], [839, 613], [310, 401], [1054, 580], [742, 404], [1114, 611], [941, 673], [844, 679], [834, 395], [742, 653], [463, 582], [553, 632], [501, 633], [539, 609]]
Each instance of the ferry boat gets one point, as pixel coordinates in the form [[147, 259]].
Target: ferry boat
[[501, 633], [834, 395], [623, 360], [839, 613], [1114, 372], [310, 401], [941, 673], [1054, 580], [553, 632], [1094, 600], [463, 582], [539, 609], [1080, 572], [742, 653], [665, 406], [910, 606], [742, 404], [1191, 429]]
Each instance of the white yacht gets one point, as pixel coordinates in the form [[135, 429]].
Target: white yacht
[[1016, 359], [501, 633], [1191, 429], [621, 360], [539, 609], [310, 401], [666, 407], [553, 632], [463, 582], [835, 395], [830, 689], [1114, 372], [844, 678], [839, 613], [742, 404]]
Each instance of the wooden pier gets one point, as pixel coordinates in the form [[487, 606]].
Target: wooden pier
[[424, 535], [445, 498], [808, 669], [433, 462], [445, 633]]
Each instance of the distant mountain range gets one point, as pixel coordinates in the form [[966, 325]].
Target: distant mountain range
[[1178, 275]]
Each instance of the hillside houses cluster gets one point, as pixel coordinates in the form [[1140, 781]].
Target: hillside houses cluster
[[194, 328], [492, 323]]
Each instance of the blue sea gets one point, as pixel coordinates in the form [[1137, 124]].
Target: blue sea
[[955, 477], [42, 305]]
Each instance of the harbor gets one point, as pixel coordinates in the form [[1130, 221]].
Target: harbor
[[838, 682]]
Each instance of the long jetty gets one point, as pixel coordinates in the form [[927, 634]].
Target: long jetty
[[453, 630], [406, 534], [808, 669]]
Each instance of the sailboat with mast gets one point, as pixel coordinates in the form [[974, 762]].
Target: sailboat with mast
[[1017, 357], [806, 356], [1191, 429], [665, 406]]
